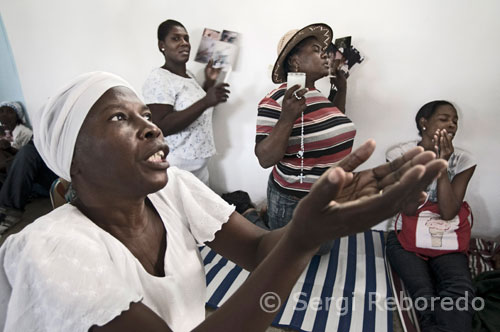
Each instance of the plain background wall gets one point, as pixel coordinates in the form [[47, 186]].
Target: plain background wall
[[416, 51], [10, 87]]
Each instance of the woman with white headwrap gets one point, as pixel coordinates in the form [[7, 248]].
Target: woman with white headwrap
[[124, 255]]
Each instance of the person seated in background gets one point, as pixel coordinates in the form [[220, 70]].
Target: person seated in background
[[28, 176], [244, 206], [26, 173], [300, 133], [446, 275], [124, 255], [14, 133], [181, 108]]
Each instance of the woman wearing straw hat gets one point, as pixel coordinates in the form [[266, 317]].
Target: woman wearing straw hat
[[124, 256], [300, 133]]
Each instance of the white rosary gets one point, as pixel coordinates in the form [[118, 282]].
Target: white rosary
[[300, 154]]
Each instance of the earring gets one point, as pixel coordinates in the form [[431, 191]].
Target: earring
[[424, 129], [296, 67], [163, 50]]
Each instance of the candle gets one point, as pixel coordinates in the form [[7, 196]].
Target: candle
[[296, 78]]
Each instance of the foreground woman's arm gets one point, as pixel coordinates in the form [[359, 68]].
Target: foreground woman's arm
[[287, 251]]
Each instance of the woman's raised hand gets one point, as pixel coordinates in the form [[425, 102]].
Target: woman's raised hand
[[443, 144], [339, 80], [294, 103], [211, 73], [342, 203], [217, 94]]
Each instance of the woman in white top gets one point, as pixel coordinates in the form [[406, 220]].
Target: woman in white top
[[446, 276], [124, 255], [181, 108]]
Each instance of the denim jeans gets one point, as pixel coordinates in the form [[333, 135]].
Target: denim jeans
[[280, 207], [445, 276], [255, 218]]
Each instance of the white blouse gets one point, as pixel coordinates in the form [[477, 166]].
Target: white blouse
[[21, 135], [196, 141], [64, 273]]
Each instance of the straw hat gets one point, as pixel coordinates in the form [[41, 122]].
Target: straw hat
[[321, 31]]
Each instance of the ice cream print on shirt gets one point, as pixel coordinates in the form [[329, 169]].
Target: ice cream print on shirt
[[442, 232]]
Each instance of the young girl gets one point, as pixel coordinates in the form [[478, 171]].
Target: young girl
[[446, 275]]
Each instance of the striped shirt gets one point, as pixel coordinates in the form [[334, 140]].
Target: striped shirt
[[328, 138]]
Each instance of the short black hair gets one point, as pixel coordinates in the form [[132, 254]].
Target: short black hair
[[428, 110], [165, 27]]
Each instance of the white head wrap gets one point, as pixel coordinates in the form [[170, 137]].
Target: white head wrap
[[57, 124]]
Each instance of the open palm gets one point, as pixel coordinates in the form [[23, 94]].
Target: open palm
[[342, 203]]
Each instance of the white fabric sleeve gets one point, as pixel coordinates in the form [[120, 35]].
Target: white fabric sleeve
[[22, 136], [60, 282], [159, 89], [205, 211], [464, 161], [394, 152]]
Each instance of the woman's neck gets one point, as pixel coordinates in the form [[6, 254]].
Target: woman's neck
[[176, 68], [120, 217], [310, 83]]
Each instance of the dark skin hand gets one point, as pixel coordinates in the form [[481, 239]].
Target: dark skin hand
[[171, 122], [340, 81], [211, 74], [450, 193]]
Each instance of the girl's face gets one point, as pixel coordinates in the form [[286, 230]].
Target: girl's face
[[445, 117], [176, 45]]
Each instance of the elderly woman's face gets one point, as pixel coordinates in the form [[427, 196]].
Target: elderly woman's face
[[312, 59], [118, 148]]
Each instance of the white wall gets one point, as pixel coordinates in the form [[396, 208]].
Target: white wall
[[416, 51]]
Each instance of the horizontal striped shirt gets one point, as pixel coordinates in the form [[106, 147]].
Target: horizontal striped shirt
[[328, 138]]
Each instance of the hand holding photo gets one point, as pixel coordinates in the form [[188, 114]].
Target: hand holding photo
[[223, 76]]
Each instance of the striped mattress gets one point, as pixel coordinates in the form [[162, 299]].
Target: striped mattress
[[345, 290]]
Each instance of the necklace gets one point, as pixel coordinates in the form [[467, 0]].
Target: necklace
[[300, 154]]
